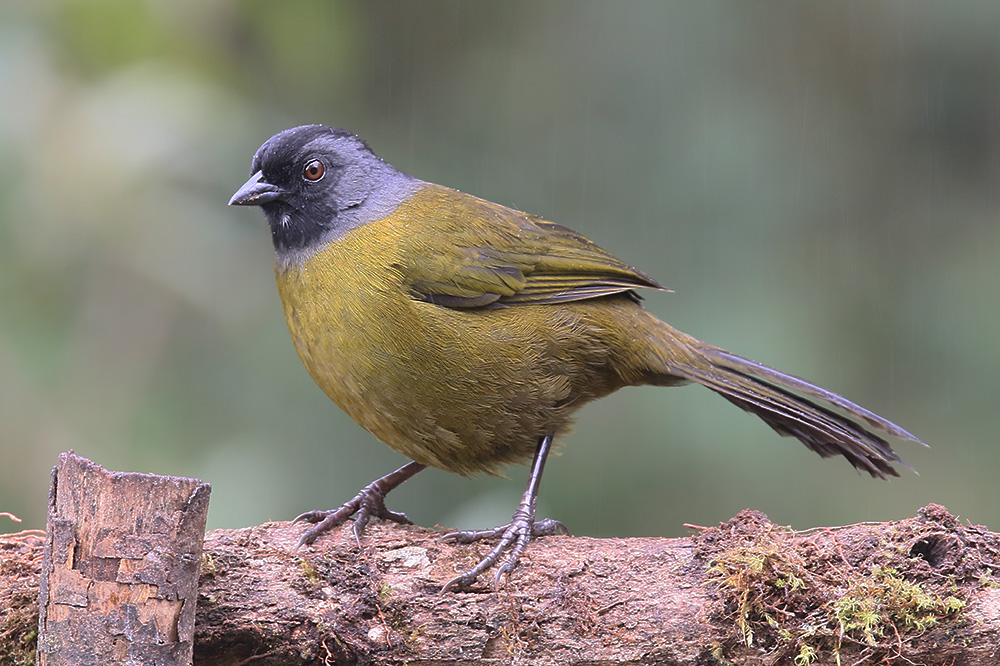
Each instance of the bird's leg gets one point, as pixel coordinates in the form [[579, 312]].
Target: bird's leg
[[367, 503], [515, 535]]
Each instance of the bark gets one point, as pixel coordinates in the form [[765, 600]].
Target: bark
[[724, 595], [920, 590], [120, 567]]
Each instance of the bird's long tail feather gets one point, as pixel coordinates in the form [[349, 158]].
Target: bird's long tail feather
[[825, 422]]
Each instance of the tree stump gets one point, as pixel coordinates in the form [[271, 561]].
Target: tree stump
[[120, 567]]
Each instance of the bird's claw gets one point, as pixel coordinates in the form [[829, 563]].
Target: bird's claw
[[368, 503], [514, 538]]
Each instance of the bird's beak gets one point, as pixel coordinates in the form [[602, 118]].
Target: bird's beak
[[256, 192]]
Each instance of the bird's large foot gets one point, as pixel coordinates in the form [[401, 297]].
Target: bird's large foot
[[515, 535], [514, 538], [367, 504]]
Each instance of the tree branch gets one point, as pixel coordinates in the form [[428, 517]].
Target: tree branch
[[921, 590]]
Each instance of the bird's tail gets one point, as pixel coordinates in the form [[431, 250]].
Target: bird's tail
[[824, 421]]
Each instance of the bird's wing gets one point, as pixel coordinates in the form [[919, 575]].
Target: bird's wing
[[511, 258]]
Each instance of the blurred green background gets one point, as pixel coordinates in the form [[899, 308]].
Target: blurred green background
[[818, 182]]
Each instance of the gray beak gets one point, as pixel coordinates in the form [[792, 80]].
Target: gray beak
[[256, 192]]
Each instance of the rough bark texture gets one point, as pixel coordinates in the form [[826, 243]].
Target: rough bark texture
[[120, 568], [746, 592], [920, 591]]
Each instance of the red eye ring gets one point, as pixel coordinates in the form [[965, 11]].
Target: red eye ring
[[313, 171]]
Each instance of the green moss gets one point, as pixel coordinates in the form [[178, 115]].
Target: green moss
[[207, 565], [874, 604], [19, 634], [789, 609], [758, 577], [807, 655], [310, 571]]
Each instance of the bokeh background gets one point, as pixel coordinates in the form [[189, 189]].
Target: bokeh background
[[818, 182]]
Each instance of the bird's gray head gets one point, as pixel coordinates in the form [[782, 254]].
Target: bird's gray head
[[314, 183]]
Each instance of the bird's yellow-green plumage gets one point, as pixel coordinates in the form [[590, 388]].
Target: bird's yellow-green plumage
[[466, 389]]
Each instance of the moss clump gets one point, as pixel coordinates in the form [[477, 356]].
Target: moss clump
[[20, 567], [761, 579], [797, 606], [19, 632], [310, 572], [807, 655], [874, 604]]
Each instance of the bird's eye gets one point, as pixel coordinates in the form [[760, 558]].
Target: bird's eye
[[314, 170]]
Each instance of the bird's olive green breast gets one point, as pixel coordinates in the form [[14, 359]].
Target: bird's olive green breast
[[466, 390]]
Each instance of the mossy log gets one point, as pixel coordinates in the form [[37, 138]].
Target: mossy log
[[921, 590]]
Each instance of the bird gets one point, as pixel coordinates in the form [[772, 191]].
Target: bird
[[465, 334]]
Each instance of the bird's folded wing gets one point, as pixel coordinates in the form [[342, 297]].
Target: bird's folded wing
[[518, 259]]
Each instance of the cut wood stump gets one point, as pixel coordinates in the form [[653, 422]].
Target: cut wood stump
[[120, 567]]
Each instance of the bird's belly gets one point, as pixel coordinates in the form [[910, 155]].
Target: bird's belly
[[465, 391]]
